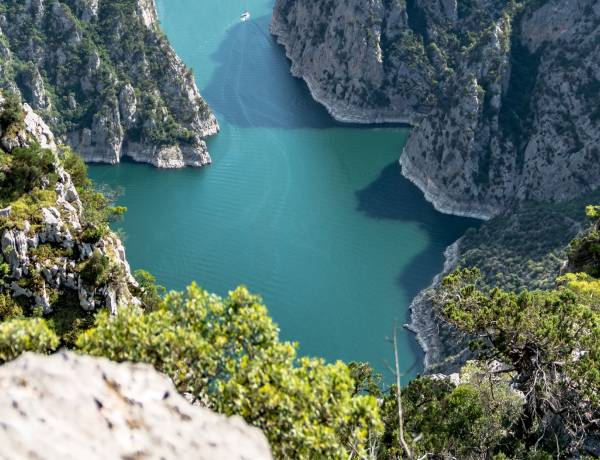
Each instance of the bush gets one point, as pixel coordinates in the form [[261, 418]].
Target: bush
[[96, 270], [28, 167], [25, 334], [9, 308], [227, 353], [12, 113]]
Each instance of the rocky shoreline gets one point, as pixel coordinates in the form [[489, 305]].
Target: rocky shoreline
[[441, 202], [341, 111], [338, 113], [422, 322]]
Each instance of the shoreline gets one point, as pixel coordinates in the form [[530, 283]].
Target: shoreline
[[421, 320], [437, 201], [339, 115], [422, 323]]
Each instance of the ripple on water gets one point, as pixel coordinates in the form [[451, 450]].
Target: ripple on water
[[313, 216]]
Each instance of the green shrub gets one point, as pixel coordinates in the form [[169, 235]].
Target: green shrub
[[9, 308], [227, 353], [12, 113], [28, 168], [96, 270], [25, 334]]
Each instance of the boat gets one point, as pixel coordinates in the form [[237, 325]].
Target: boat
[[246, 14]]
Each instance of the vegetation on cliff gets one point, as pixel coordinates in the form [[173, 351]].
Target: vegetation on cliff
[[530, 392], [105, 79]]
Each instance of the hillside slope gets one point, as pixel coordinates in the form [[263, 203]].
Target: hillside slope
[[105, 79], [503, 96], [58, 257]]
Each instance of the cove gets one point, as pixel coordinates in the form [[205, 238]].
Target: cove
[[312, 215]]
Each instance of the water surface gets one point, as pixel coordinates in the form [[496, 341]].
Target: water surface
[[312, 215]]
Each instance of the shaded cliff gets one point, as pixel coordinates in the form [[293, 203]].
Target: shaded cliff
[[503, 96], [105, 79], [77, 406]]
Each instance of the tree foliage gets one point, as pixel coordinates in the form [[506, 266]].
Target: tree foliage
[[25, 334], [550, 340], [227, 354]]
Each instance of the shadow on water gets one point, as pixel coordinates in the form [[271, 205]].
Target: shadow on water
[[393, 197], [252, 85]]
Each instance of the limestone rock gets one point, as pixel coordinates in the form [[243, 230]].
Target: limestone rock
[[503, 100], [60, 227], [73, 406], [134, 96]]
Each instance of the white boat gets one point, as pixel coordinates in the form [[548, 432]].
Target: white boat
[[245, 16]]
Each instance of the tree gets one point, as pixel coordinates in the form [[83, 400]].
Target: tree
[[226, 353], [550, 340]]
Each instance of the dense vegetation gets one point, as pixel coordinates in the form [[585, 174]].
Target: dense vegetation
[[525, 247], [532, 391]]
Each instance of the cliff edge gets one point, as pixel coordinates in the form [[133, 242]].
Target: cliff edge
[[503, 96], [105, 79]]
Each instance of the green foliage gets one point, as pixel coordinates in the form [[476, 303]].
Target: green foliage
[[25, 334], [12, 111], [76, 168], [9, 307], [525, 247], [584, 254], [227, 353], [150, 293], [28, 168], [97, 270], [549, 339]]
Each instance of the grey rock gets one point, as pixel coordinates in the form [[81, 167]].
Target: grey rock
[[77, 406], [509, 116], [136, 99]]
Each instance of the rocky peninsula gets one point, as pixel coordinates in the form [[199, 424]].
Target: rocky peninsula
[[106, 80]]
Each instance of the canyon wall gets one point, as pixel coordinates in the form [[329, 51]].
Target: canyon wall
[[105, 79], [503, 97]]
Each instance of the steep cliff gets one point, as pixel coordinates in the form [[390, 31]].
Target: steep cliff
[[525, 247], [503, 96], [76, 406], [57, 253], [105, 79]]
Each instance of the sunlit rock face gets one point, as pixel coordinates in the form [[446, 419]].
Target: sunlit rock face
[[503, 101], [106, 80], [75, 406]]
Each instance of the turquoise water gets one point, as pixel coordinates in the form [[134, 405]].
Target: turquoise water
[[312, 215]]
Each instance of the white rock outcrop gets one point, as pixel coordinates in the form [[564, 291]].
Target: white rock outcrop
[[70, 406]]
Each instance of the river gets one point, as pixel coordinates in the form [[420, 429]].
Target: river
[[312, 215]]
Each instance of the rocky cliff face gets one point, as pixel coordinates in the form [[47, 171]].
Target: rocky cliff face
[[77, 406], [53, 253], [105, 79], [503, 96]]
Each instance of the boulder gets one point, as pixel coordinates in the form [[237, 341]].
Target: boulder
[[72, 406]]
